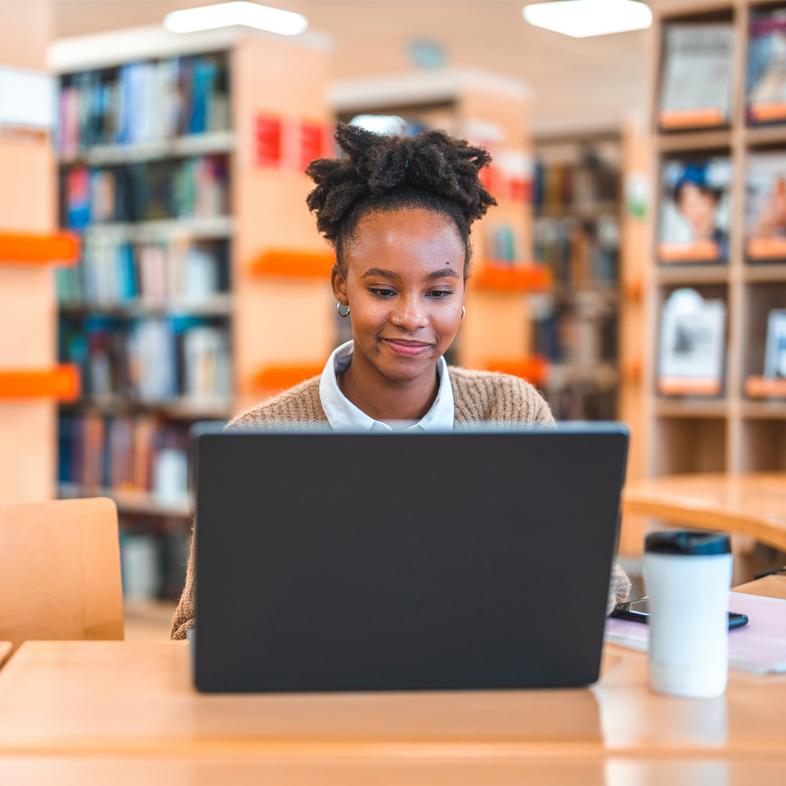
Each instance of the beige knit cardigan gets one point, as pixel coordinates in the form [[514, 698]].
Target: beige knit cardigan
[[478, 396]]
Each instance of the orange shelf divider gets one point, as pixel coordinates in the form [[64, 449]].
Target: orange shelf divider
[[60, 383], [283, 263], [765, 387], [678, 386], [534, 369], [38, 249], [512, 277], [281, 377]]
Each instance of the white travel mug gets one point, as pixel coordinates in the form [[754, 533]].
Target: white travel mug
[[687, 576]]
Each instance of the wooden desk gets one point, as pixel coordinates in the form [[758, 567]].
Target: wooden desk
[[126, 699], [5, 651], [752, 505]]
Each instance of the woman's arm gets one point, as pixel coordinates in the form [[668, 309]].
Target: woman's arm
[[184, 615]]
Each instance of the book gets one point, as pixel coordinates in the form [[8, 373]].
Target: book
[[765, 206], [694, 210], [775, 356], [696, 76], [692, 342], [766, 66]]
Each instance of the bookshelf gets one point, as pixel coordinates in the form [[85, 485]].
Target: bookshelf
[[492, 111], [180, 166], [737, 427], [578, 217]]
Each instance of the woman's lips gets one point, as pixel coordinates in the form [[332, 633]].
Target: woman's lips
[[407, 348]]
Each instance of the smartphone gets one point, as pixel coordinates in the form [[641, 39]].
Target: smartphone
[[638, 611]]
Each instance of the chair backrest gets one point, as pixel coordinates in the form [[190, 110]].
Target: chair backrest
[[60, 571]]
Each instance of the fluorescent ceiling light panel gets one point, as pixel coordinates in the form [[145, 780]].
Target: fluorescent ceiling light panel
[[585, 18], [245, 14]]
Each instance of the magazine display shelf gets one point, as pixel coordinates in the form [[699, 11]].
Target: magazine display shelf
[[267, 320], [742, 428]]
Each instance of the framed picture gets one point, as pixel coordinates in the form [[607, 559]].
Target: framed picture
[[692, 345], [775, 357]]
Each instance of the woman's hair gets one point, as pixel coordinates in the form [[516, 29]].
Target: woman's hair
[[430, 170]]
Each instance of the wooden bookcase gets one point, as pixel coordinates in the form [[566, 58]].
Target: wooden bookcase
[[490, 110], [732, 432], [275, 318]]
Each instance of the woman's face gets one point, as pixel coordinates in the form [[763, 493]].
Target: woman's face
[[403, 280]]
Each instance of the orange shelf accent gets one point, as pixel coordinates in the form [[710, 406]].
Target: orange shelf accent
[[512, 277], [766, 248], [60, 383], [23, 248], [705, 117], [702, 251], [534, 369], [282, 263], [765, 387], [672, 386], [767, 113], [281, 377]]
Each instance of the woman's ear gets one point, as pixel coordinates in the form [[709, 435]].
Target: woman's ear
[[339, 284]]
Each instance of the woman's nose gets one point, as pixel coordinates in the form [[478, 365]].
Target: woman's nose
[[410, 316]]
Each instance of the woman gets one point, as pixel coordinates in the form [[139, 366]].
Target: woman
[[399, 212]]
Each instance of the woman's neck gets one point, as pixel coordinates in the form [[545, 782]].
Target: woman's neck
[[384, 400]]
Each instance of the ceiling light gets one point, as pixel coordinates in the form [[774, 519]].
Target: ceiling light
[[246, 14], [585, 18]]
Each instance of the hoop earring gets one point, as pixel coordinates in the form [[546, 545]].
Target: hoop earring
[[463, 312], [342, 314]]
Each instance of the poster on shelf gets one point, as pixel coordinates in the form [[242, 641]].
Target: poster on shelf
[[691, 345], [694, 210], [775, 357], [765, 206], [696, 78], [766, 67]]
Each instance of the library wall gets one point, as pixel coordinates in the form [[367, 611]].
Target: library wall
[[27, 302]]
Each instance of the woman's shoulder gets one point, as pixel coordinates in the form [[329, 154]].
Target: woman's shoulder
[[298, 404], [489, 395]]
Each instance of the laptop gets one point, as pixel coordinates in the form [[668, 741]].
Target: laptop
[[474, 559]]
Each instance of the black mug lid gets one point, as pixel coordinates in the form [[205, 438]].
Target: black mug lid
[[687, 542]]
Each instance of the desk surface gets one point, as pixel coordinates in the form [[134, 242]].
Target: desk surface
[[752, 505], [136, 698]]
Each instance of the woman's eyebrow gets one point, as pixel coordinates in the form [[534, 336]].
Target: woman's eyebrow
[[378, 271]]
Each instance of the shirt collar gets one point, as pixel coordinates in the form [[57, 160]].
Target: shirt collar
[[342, 414]]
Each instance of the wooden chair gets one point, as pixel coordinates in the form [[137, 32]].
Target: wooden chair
[[60, 571]]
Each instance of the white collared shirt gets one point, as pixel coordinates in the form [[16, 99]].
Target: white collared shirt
[[343, 414]]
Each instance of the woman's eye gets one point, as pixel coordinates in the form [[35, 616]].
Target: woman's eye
[[382, 291], [440, 294]]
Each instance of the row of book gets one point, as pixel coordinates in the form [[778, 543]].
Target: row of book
[[153, 563], [143, 102], [130, 453], [580, 253], [190, 187], [115, 273], [696, 80], [578, 186], [695, 206], [150, 359]]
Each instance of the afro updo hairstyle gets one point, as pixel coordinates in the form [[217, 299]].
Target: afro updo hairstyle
[[430, 170]]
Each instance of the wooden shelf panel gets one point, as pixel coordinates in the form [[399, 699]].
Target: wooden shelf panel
[[690, 408], [693, 140], [692, 274], [275, 378], [190, 145], [21, 248], [764, 273], [764, 410], [511, 277], [216, 306], [534, 369], [131, 502], [765, 135], [61, 383], [291, 263], [185, 228], [176, 408]]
